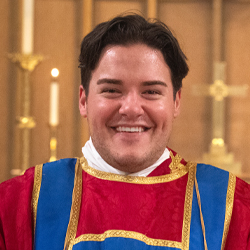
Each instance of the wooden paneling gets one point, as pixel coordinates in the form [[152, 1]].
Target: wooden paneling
[[59, 29], [237, 47], [191, 135]]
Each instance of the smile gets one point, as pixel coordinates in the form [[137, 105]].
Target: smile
[[130, 129]]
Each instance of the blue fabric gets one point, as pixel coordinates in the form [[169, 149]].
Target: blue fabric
[[118, 243], [213, 184], [55, 197]]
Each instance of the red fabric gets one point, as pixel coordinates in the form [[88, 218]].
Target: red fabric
[[162, 169], [15, 212], [155, 210], [239, 231]]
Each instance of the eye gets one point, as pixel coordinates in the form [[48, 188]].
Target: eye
[[110, 92], [152, 92]]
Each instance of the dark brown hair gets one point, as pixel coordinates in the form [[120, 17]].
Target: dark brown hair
[[132, 29]]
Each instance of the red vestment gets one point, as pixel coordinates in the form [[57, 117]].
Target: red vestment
[[16, 215]]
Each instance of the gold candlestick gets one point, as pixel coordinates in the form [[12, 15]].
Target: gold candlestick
[[27, 63], [53, 143]]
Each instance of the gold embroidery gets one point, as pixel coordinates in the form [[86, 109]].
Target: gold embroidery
[[229, 207], [134, 179], [127, 234], [70, 239], [36, 190], [201, 216], [76, 205], [176, 162], [188, 206]]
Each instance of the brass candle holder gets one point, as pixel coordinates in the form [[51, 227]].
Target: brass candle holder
[[27, 63], [53, 143]]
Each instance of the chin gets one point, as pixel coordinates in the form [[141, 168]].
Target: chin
[[132, 163]]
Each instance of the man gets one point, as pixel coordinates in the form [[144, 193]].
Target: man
[[128, 191]]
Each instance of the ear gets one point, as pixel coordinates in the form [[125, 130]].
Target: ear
[[177, 103], [82, 102]]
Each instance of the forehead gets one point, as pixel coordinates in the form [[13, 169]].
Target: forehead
[[134, 58], [137, 50]]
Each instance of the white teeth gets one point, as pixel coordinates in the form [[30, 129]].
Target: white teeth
[[130, 129]]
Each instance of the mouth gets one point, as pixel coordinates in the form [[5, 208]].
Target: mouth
[[131, 129]]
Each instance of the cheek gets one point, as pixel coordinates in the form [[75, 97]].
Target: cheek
[[100, 111], [97, 106], [164, 115]]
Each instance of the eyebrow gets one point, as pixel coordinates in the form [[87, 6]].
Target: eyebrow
[[150, 83], [108, 80]]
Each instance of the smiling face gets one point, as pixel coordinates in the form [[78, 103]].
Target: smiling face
[[130, 106]]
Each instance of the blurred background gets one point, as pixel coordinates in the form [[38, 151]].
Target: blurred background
[[49, 33]]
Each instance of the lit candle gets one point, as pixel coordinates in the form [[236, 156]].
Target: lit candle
[[27, 26], [54, 98]]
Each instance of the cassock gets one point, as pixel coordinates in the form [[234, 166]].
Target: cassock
[[67, 204]]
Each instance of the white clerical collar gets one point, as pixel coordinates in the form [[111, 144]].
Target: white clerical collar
[[95, 161]]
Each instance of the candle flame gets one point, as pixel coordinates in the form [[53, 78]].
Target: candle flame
[[55, 72]]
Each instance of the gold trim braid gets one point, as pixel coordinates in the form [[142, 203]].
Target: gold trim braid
[[75, 208], [127, 234], [36, 191], [182, 170], [188, 206], [201, 216], [229, 207]]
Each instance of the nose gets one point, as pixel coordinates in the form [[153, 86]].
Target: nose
[[131, 105]]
